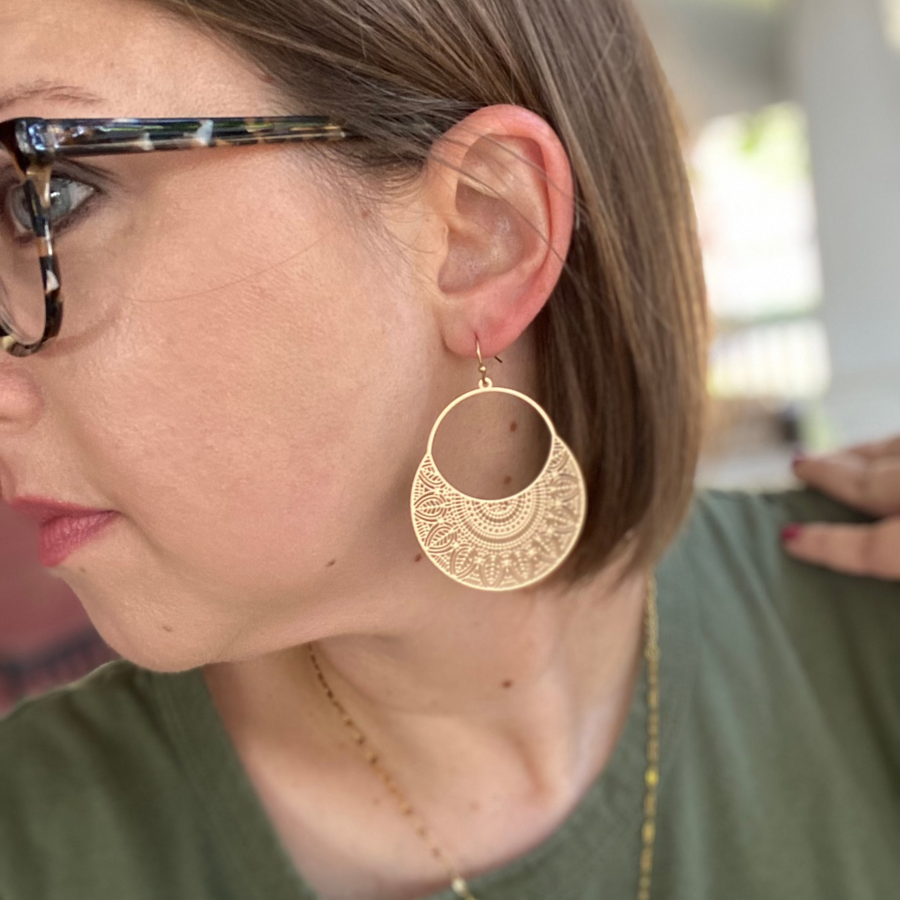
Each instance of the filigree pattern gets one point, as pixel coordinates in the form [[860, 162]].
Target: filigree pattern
[[501, 544]]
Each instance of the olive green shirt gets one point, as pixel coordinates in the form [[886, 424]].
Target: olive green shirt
[[779, 773]]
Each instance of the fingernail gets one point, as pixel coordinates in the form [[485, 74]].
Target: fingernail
[[799, 457], [790, 533]]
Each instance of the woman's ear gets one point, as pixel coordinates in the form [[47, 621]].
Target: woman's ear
[[500, 185]]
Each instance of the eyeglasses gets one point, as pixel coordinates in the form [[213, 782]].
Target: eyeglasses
[[31, 307]]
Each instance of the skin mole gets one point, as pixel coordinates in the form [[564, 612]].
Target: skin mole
[[508, 683], [168, 628], [330, 564], [418, 557], [513, 426]]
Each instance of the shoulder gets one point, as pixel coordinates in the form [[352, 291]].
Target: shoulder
[[82, 739], [828, 640], [732, 540], [738, 534], [76, 765], [79, 720], [791, 737], [749, 520]]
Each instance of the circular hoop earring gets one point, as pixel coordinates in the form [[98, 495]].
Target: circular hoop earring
[[506, 544]]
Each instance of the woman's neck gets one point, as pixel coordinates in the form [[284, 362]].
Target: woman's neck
[[493, 713], [533, 683]]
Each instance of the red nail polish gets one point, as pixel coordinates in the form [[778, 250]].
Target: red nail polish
[[790, 533]]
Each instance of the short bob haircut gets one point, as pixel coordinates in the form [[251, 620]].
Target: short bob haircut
[[622, 342]]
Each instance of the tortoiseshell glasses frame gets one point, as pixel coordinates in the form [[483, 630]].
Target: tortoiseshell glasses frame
[[36, 144]]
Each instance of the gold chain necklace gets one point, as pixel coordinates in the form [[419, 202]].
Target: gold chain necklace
[[651, 778]]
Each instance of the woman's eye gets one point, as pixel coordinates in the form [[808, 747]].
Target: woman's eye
[[66, 196]]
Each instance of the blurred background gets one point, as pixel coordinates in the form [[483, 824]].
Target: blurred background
[[793, 114], [793, 147]]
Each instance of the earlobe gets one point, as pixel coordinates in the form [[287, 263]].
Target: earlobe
[[507, 206]]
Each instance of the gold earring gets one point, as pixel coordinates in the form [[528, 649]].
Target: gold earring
[[500, 545]]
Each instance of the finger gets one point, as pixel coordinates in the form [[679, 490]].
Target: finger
[[877, 449], [872, 550], [871, 450], [872, 485]]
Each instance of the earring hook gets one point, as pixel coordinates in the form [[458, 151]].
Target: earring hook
[[484, 382]]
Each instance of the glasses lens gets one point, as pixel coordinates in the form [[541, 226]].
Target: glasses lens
[[22, 305]]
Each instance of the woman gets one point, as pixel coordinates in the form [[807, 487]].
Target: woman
[[257, 345]]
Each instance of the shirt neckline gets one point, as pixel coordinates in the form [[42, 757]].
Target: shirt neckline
[[610, 812]]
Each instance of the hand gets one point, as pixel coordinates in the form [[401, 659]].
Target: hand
[[866, 477]]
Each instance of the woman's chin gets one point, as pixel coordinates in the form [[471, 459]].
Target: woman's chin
[[163, 652]]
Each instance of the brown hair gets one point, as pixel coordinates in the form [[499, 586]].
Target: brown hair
[[622, 342]]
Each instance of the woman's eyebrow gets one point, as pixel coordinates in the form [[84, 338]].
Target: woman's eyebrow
[[47, 90]]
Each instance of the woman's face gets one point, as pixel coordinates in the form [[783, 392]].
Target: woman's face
[[240, 373]]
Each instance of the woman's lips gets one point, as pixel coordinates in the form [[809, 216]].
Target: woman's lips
[[62, 536]]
